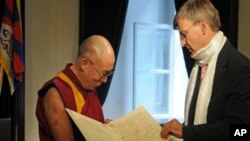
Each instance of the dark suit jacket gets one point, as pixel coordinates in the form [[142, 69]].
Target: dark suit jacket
[[230, 99]]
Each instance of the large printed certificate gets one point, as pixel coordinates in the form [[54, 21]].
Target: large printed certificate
[[138, 125]]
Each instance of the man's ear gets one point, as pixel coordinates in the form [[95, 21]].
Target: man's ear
[[204, 26]]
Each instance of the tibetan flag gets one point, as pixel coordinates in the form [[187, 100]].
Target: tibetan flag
[[11, 44]]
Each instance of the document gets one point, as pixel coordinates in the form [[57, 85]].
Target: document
[[138, 125]]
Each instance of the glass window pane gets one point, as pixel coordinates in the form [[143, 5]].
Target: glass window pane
[[152, 68]]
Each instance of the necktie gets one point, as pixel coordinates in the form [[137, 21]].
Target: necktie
[[203, 72]]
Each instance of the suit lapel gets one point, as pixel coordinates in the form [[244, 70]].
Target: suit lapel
[[221, 65]]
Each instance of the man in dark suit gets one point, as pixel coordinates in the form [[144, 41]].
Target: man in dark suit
[[218, 94]]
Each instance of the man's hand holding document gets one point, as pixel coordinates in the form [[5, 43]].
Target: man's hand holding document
[[138, 125]]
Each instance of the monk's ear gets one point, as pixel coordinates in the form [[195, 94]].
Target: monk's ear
[[83, 63]]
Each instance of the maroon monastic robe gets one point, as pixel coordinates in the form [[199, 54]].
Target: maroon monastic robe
[[74, 96]]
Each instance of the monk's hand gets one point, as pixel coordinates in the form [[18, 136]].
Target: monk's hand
[[107, 121]]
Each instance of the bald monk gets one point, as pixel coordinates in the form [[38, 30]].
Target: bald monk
[[74, 88]]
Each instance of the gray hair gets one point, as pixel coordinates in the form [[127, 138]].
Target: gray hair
[[195, 10]]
